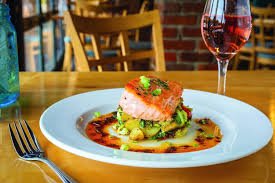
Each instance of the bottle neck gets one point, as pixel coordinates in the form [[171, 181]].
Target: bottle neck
[[4, 11]]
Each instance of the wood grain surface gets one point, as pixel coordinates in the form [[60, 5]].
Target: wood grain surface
[[40, 90]]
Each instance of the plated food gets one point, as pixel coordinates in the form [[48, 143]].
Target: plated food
[[151, 117], [69, 131]]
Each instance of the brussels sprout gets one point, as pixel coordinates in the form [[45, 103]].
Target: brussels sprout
[[150, 131]]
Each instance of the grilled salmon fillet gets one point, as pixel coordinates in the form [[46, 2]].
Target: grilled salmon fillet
[[143, 103]]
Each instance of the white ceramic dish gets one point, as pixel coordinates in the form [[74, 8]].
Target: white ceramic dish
[[245, 129]]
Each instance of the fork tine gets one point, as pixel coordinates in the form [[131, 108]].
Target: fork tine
[[15, 143], [21, 139], [25, 136], [33, 136]]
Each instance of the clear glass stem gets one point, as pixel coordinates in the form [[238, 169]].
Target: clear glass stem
[[222, 69]]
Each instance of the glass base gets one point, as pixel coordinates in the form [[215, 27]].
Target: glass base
[[8, 99]]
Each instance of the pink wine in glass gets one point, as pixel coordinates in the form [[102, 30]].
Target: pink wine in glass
[[224, 35]]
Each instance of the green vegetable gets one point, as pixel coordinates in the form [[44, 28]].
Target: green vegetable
[[209, 136], [181, 117], [124, 147], [145, 82], [203, 121], [149, 123], [114, 114], [156, 92], [118, 115], [158, 136], [142, 123], [116, 126], [188, 123], [156, 125], [196, 145], [161, 134], [97, 114], [123, 131], [120, 126], [150, 131]]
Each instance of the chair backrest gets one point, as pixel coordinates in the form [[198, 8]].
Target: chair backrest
[[264, 29], [101, 8], [117, 25]]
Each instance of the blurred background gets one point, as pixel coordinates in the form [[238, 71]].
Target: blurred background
[[40, 31]]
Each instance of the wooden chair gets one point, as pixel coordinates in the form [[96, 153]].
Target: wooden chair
[[92, 8], [120, 25], [264, 26], [99, 8]]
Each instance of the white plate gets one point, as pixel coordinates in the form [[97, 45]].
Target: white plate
[[245, 129]]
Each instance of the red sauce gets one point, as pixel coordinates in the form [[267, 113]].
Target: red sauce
[[97, 131]]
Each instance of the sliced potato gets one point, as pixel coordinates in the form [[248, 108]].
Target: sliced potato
[[136, 134], [131, 124], [150, 131], [168, 126], [125, 117]]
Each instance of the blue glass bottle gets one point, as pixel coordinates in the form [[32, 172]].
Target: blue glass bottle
[[9, 72]]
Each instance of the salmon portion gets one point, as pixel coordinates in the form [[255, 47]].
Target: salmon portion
[[140, 102]]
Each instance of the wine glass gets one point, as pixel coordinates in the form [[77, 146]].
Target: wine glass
[[225, 28]]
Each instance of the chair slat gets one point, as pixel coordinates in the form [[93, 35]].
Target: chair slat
[[115, 24], [120, 59]]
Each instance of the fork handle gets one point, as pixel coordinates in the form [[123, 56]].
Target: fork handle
[[62, 175]]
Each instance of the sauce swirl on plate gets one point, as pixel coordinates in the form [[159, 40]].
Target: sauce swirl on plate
[[203, 134]]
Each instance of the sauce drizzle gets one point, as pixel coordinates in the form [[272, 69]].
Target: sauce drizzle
[[208, 135]]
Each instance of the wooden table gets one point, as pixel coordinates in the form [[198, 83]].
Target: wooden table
[[40, 90]]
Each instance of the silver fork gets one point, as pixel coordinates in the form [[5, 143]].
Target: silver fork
[[28, 148]]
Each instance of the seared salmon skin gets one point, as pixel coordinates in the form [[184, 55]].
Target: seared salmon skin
[[151, 98]]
